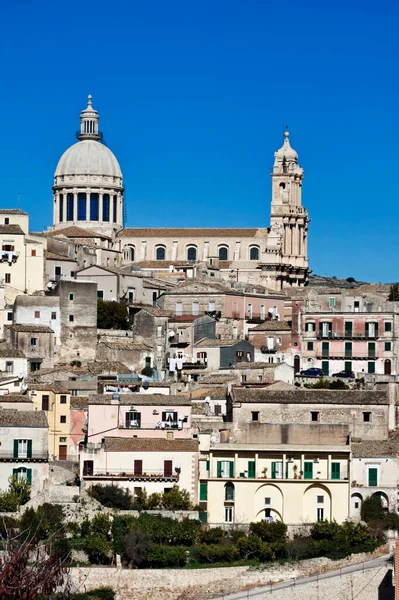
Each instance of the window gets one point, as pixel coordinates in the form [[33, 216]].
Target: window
[[251, 469], [335, 470], [168, 468], [69, 215], [228, 514], [254, 253], [160, 253], [387, 326], [33, 342], [115, 208], [239, 355], [255, 415], [33, 253], [9, 316], [229, 492], [225, 468], [192, 253], [63, 399], [315, 415], [203, 491], [387, 347], [94, 206], [195, 308], [131, 296], [371, 367], [6, 221], [211, 307], [71, 297], [106, 207], [34, 366], [223, 253], [320, 514], [100, 294], [7, 278], [81, 206], [367, 417], [277, 469], [63, 419], [53, 316], [71, 318], [45, 402], [169, 435], [348, 366], [320, 499], [217, 409], [159, 330], [22, 448], [309, 327], [262, 312], [37, 314], [57, 273], [63, 440], [373, 476], [138, 467], [250, 311], [22, 473], [308, 470], [243, 379], [132, 419], [268, 501], [154, 297], [9, 366], [310, 346]]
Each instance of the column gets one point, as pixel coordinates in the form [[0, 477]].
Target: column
[[75, 207], [235, 465], [55, 208], [329, 466], [284, 465], [100, 205], [302, 469], [256, 464], [64, 214], [211, 467]]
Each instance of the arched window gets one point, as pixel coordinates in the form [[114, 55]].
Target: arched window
[[160, 253], [254, 253], [229, 492], [128, 253], [387, 367], [224, 253], [192, 253]]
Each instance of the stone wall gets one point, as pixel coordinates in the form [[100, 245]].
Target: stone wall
[[200, 584]]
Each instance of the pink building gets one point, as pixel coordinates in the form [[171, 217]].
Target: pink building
[[138, 416]]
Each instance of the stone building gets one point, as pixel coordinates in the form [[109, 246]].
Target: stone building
[[35, 341]]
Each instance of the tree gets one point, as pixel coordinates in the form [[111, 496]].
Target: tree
[[112, 496], [351, 280], [372, 509], [137, 544], [176, 499], [112, 315], [394, 293]]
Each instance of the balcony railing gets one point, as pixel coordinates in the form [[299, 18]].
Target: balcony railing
[[154, 425], [333, 354], [343, 335], [153, 474], [9, 256], [8, 456]]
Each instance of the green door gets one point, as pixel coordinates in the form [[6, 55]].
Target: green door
[[308, 470], [335, 470], [277, 469], [231, 470], [373, 477], [251, 469], [371, 350], [348, 366], [203, 491], [325, 367], [325, 349], [348, 329], [348, 349]]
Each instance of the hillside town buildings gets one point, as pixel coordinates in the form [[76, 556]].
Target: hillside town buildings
[[204, 381]]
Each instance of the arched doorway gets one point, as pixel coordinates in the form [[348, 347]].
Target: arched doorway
[[356, 505], [384, 499], [387, 367], [297, 364]]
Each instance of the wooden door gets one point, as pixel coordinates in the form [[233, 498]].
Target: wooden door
[[167, 468], [62, 452]]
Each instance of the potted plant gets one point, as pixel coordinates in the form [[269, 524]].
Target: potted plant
[[265, 470], [300, 474], [295, 469]]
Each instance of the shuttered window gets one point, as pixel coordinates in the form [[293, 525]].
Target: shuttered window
[[335, 470]]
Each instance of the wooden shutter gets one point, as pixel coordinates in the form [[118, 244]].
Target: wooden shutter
[[164, 416], [274, 469], [231, 473], [373, 477], [15, 472], [138, 467], [251, 469], [203, 491], [168, 468], [219, 469], [29, 476], [335, 470], [308, 472], [15, 448], [29, 453]]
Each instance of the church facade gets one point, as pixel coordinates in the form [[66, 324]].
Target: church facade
[[88, 193]]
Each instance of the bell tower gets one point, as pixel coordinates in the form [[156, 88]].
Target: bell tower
[[288, 219]]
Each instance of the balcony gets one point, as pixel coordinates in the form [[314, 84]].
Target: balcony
[[9, 256], [8, 456], [345, 355], [342, 335], [136, 425], [120, 474]]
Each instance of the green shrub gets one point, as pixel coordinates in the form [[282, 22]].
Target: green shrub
[[213, 535], [147, 371], [176, 499], [112, 496], [8, 502], [216, 553], [372, 509], [20, 488], [270, 532], [44, 522], [162, 557], [98, 549], [137, 545]]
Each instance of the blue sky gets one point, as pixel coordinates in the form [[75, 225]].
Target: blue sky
[[193, 99]]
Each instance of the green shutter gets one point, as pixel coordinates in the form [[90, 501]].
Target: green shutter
[[207, 464], [348, 366], [29, 476], [204, 491], [274, 469], [387, 347], [325, 367], [373, 477], [15, 448], [371, 350], [325, 349], [286, 469], [251, 469], [15, 472], [308, 472], [231, 474], [29, 449], [348, 329], [335, 470], [348, 349], [371, 367], [310, 346], [219, 469]]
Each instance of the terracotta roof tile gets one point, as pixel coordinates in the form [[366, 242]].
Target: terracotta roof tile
[[77, 232], [296, 396], [20, 398], [272, 326], [149, 232], [53, 256], [12, 211], [48, 387], [141, 400], [79, 402], [149, 445], [206, 343], [22, 418], [11, 353], [11, 229], [30, 328]]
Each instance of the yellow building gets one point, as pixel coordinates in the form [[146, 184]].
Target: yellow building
[[56, 402], [242, 483]]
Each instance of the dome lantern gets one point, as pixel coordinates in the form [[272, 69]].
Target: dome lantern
[[89, 118]]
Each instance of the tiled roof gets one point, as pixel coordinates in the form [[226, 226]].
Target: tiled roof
[[296, 396], [374, 448], [141, 400], [99, 367], [31, 328], [12, 211], [22, 418], [124, 344], [163, 264], [79, 402], [11, 353], [20, 398], [157, 312], [149, 445], [49, 387], [206, 343], [218, 379], [149, 232], [53, 256], [213, 393], [11, 229], [77, 232], [257, 365], [272, 326]]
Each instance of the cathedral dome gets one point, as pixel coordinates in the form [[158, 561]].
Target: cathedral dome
[[88, 157]]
